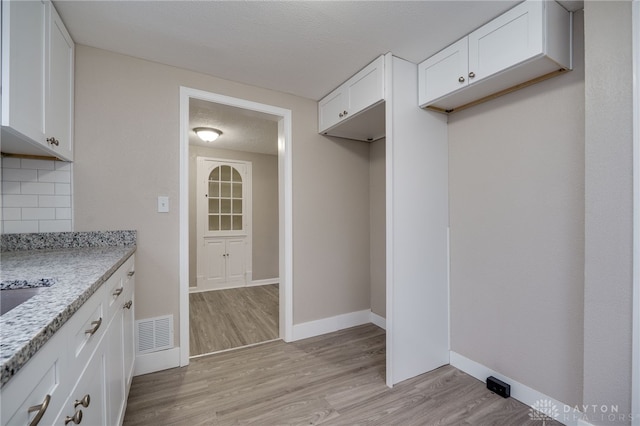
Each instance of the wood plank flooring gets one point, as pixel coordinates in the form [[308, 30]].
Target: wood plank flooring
[[334, 379], [225, 319]]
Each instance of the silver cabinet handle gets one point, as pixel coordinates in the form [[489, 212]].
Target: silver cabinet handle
[[96, 326], [472, 74], [128, 304], [461, 79], [76, 419], [85, 401], [40, 409], [53, 141], [118, 291], [131, 273]]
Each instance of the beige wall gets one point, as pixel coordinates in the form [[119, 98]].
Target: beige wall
[[609, 207], [516, 170], [127, 153], [264, 170], [377, 227]]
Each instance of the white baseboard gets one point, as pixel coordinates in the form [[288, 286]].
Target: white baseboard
[[378, 320], [331, 324], [268, 281], [566, 414], [157, 361]]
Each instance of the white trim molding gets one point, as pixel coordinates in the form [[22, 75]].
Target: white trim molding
[[156, 361], [378, 320], [635, 354], [267, 281], [331, 324], [567, 414]]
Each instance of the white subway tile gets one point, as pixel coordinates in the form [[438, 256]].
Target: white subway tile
[[63, 213], [54, 201], [63, 165], [28, 163], [62, 176], [19, 226], [63, 188], [11, 200], [11, 213], [55, 226], [38, 188], [10, 187], [10, 163], [39, 213], [19, 175]]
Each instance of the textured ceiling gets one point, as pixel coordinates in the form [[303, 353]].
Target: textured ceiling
[[242, 130]]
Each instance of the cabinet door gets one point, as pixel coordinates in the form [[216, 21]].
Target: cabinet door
[[59, 100], [128, 339], [213, 264], [23, 67], [331, 109], [444, 72], [235, 261], [90, 388], [508, 40], [366, 88], [115, 370]]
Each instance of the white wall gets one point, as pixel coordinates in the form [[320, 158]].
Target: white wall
[[516, 179], [36, 196]]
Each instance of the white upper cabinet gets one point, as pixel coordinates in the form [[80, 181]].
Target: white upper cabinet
[[37, 81], [526, 44], [355, 110]]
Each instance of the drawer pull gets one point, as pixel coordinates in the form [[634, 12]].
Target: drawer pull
[[130, 273], [40, 409], [128, 304], [85, 401], [118, 292], [92, 330], [76, 419]]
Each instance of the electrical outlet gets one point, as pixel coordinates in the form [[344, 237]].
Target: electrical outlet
[[498, 387]]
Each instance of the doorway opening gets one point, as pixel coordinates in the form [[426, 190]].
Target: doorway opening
[[222, 212]]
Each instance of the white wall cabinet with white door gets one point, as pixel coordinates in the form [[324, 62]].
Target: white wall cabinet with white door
[[355, 110], [526, 44], [37, 81], [223, 204]]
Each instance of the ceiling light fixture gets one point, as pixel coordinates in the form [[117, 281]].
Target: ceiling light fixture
[[207, 134]]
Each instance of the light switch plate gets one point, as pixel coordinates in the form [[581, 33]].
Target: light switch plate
[[163, 204]]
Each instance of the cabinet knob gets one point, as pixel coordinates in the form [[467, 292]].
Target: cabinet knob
[[128, 304], [85, 401], [76, 418], [472, 74], [53, 141], [40, 410], [345, 112], [341, 115], [131, 273], [461, 79], [96, 326]]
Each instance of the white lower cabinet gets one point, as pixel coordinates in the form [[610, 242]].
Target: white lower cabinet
[[224, 263], [83, 373]]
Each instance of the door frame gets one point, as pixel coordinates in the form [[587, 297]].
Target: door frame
[[285, 208]]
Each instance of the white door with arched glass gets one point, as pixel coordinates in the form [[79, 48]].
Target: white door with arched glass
[[223, 194]]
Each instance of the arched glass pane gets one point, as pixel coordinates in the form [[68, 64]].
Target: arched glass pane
[[225, 173], [225, 199], [215, 174], [236, 176]]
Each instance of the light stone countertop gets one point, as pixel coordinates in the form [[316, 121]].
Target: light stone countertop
[[78, 272]]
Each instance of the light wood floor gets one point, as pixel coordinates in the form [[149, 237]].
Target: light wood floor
[[225, 319], [335, 379]]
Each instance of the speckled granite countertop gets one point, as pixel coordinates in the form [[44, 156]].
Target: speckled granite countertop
[[79, 266]]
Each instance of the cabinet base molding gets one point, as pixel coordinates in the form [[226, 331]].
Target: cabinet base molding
[[500, 93], [157, 361]]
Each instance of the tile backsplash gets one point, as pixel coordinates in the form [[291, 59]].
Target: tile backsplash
[[36, 196]]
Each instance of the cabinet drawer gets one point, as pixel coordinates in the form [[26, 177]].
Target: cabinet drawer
[[115, 288], [87, 327], [40, 380]]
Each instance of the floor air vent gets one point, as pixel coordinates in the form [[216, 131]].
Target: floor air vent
[[155, 334]]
